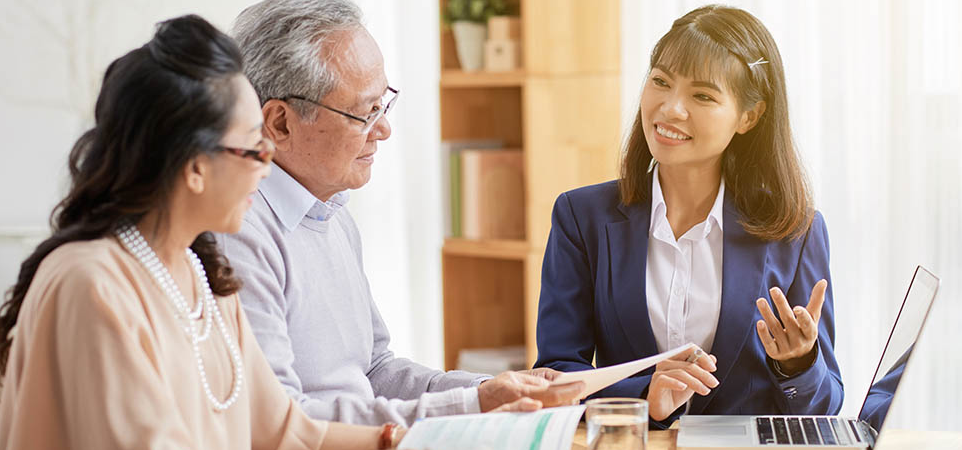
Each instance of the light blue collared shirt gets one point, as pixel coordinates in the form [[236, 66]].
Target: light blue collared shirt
[[309, 305], [291, 201]]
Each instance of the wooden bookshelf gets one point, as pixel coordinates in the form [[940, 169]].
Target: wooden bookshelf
[[487, 248], [455, 78], [562, 109]]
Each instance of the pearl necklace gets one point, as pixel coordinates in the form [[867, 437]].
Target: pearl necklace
[[135, 243]]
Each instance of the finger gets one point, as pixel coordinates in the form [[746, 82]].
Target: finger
[[686, 353], [774, 326], [531, 380], [707, 362], [523, 404], [817, 299], [767, 341], [557, 395], [545, 372], [805, 323], [702, 373], [785, 313], [690, 381], [678, 365], [696, 371], [666, 382]]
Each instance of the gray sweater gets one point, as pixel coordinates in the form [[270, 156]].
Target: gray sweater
[[310, 307]]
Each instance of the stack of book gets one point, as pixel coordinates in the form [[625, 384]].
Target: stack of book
[[485, 191]]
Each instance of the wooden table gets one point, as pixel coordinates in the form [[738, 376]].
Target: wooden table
[[893, 440], [657, 439]]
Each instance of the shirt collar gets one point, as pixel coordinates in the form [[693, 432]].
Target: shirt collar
[[325, 210], [291, 201], [659, 209]]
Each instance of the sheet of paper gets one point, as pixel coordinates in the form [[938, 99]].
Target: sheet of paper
[[547, 429], [598, 379]]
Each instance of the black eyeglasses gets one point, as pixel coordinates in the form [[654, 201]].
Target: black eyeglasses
[[264, 155], [380, 110]]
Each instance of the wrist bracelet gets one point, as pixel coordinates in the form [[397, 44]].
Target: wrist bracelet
[[388, 435]]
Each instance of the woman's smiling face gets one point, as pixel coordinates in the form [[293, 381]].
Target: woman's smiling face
[[689, 122]]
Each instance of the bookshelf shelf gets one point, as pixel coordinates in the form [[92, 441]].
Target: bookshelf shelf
[[562, 109], [455, 78], [487, 248]]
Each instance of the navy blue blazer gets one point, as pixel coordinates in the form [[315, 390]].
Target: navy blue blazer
[[593, 304]]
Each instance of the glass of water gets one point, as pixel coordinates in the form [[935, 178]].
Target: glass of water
[[617, 423]]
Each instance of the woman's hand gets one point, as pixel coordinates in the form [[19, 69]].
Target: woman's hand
[[676, 379], [791, 340]]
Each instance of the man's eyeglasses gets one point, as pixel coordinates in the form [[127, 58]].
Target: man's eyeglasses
[[264, 154], [380, 110]]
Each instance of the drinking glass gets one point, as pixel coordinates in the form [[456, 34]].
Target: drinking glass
[[617, 424]]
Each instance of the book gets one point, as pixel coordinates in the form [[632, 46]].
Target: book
[[451, 179], [546, 429], [492, 194]]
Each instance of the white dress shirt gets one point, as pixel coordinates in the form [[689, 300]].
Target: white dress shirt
[[684, 277]]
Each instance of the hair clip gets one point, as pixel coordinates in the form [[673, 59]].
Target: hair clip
[[760, 60]]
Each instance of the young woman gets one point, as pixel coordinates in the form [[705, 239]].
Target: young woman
[[123, 330], [710, 218]]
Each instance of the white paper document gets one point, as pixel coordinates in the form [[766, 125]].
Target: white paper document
[[546, 429], [598, 379]]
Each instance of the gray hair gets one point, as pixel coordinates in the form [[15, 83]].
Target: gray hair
[[282, 41]]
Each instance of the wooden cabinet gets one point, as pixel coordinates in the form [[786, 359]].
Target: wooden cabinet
[[562, 109]]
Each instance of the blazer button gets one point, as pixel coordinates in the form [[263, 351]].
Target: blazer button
[[791, 392]]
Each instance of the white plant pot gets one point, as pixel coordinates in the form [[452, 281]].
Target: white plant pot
[[469, 39]]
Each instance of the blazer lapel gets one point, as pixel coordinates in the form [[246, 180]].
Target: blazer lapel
[[628, 253], [743, 264]]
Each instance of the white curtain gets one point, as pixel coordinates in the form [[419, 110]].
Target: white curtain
[[875, 91], [399, 212]]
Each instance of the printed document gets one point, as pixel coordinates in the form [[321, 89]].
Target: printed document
[[546, 429], [598, 379]]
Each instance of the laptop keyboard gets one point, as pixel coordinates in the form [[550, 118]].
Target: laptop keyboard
[[803, 431]]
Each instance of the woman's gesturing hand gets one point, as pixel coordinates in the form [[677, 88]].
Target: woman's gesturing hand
[[790, 341]]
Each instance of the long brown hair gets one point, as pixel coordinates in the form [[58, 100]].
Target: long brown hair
[[160, 106], [761, 168]]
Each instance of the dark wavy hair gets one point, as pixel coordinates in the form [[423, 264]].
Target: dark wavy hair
[[160, 106], [761, 167]]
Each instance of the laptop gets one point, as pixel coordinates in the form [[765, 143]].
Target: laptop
[[752, 432]]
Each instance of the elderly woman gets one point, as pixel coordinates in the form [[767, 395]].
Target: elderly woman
[[128, 329]]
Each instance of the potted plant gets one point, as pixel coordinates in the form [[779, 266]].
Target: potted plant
[[468, 20]]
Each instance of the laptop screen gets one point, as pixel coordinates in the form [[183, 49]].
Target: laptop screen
[[898, 349]]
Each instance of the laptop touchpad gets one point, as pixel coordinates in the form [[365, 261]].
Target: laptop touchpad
[[716, 430]]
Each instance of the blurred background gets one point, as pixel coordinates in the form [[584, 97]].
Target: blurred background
[[875, 89]]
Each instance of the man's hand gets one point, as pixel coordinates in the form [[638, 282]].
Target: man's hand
[[791, 340], [542, 372], [510, 387]]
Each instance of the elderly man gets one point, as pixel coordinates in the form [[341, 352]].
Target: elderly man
[[324, 94]]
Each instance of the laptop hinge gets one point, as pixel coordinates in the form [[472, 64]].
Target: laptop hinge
[[869, 433]]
